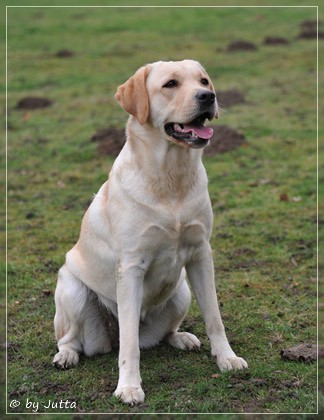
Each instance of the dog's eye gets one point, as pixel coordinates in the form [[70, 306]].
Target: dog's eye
[[171, 84], [204, 82]]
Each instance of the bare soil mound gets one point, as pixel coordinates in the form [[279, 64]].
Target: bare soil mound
[[275, 40], [224, 140], [311, 34], [309, 30], [32, 102], [109, 141], [241, 46], [64, 54], [227, 98]]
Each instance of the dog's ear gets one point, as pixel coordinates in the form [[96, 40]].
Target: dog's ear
[[133, 97]]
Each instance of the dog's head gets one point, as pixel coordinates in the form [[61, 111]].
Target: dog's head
[[177, 97]]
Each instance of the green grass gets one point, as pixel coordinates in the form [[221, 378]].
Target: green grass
[[264, 248]]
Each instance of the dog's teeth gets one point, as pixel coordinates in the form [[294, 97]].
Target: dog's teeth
[[178, 127]]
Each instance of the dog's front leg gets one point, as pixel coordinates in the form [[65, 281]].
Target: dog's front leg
[[129, 300], [201, 276]]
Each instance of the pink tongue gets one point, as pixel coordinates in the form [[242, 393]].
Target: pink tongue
[[201, 131]]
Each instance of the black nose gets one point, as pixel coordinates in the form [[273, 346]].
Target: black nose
[[205, 97]]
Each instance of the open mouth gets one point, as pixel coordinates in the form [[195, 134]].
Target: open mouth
[[193, 134]]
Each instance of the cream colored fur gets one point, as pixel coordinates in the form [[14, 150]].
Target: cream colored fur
[[147, 229]]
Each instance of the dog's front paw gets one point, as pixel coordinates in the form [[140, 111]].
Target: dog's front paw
[[130, 395], [65, 359], [231, 363]]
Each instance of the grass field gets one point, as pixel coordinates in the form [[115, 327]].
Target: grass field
[[263, 196]]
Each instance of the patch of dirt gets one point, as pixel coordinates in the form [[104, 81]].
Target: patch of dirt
[[30, 215], [111, 140], [303, 352], [230, 97], [310, 23], [243, 251], [33, 102], [249, 264], [241, 46], [244, 384], [50, 387], [224, 139], [64, 54], [275, 40], [309, 30], [311, 34]]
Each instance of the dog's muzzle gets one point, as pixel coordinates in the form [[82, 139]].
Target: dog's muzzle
[[194, 134]]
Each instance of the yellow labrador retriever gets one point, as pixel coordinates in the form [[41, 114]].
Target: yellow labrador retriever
[[146, 230]]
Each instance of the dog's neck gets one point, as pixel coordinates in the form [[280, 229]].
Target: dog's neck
[[172, 172]]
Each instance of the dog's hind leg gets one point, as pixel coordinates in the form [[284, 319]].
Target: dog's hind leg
[[99, 328], [78, 323], [70, 298]]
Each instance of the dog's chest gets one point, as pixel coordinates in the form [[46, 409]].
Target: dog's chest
[[174, 240], [172, 246]]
